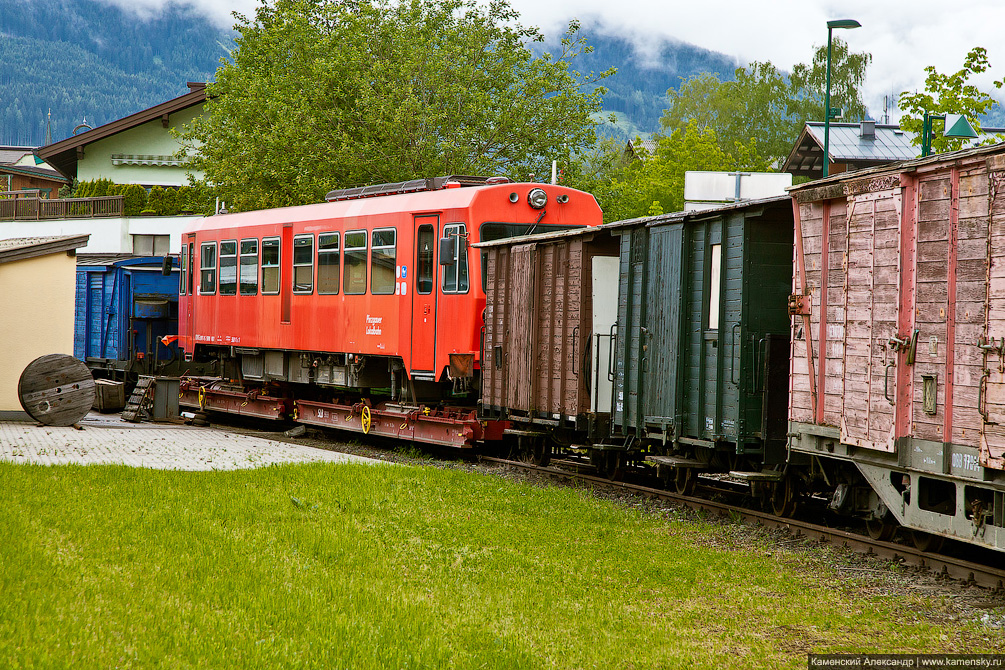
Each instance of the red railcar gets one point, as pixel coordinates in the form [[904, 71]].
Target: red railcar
[[374, 295]]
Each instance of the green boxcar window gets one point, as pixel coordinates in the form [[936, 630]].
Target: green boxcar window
[[228, 267], [383, 255], [270, 265], [249, 267], [354, 278], [207, 269], [303, 264], [714, 286], [328, 263]]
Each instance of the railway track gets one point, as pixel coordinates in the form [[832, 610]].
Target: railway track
[[949, 566]]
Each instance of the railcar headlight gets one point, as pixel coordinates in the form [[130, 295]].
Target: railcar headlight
[[537, 198]]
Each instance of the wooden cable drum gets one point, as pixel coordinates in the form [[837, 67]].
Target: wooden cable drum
[[56, 390]]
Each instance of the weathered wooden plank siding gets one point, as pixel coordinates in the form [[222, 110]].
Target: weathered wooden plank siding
[[800, 395]]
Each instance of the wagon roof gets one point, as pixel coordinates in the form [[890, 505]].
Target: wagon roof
[[413, 203], [542, 237], [903, 166], [698, 214]]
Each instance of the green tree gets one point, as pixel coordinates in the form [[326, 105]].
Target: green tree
[[324, 94], [760, 104], [808, 84], [655, 184], [948, 94]]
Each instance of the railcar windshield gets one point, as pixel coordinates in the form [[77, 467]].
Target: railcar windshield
[[497, 231]]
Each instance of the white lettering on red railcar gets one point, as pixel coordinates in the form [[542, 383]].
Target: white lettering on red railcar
[[373, 324]]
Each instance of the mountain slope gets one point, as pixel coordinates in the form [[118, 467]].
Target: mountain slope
[[83, 59]]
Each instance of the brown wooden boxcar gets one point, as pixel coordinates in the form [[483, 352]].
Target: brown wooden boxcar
[[897, 385], [550, 303]]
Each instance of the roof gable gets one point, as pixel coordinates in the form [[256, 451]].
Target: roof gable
[[63, 155]]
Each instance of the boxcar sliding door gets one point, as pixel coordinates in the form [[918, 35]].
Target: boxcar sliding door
[[631, 351], [661, 333]]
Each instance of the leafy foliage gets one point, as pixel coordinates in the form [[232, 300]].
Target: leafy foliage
[[761, 103], [948, 94], [651, 185], [324, 94]]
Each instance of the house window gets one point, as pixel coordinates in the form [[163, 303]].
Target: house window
[[455, 275], [303, 264], [207, 267], [249, 267], [228, 267], [151, 245], [382, 260], [270, 265], [328, 263], [354, 279]]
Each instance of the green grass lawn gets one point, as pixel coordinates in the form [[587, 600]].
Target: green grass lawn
[[354, 566]]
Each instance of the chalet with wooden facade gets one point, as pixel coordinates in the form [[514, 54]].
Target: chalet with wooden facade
[[20, 173]]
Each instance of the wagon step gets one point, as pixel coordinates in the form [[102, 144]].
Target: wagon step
[[676, 461], [757, 476]]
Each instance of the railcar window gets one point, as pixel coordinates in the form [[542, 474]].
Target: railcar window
[[383, 255], [454, 277], [714, 286], [303, 264], [183, 275], [270, 265], [207, 268], [249, 267], [228, 267], [424, 267], [354, 279], [328, 263], [191, 272]]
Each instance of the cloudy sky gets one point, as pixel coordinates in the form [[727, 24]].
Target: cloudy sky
[[903, 37]]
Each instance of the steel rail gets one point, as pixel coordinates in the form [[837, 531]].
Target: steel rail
[[955, 568]]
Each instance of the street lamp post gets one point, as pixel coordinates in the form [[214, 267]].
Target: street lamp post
[[956, 126], [831, 25]]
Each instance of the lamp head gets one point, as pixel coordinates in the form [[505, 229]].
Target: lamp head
[[843, 23]]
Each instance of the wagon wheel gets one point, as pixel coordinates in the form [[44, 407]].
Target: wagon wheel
[[880, 529], [785, 497], [613, 465], [535, 451], [685, 480], [365, 419], [927, 541]]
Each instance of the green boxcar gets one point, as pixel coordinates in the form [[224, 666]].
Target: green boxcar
[[703, 330]]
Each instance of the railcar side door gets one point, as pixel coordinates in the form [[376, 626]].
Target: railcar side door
[[424, 295]]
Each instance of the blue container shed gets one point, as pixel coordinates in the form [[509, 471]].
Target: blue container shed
[[123, 308]]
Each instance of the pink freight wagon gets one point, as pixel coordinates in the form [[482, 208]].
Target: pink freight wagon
[[897, 385]]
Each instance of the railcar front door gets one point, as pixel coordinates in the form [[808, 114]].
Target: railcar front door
[[424, 296]]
